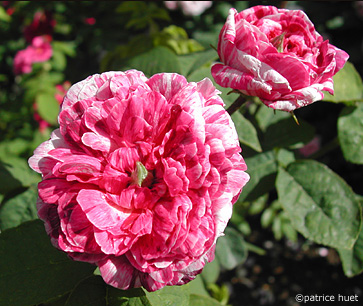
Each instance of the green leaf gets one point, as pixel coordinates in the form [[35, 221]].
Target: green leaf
[[348, 86], [257, 206], [9, 179], [15, 173], [352, 260], [210, 37], [284, 157], [350, 133], [31, 93], [211, 271], [247, 133], [58, 60], [277, 227], [201, 300], [287, 134], [238, 218], [230, 249], [130, 6], [131, 297], [48, 107], [220, 293], [32, 270], [205, 72], [267, 217], [90, 292], [287, 230], [266, 116], [13, 147], [262, 169], [193, 61], [176, 38], [141, 14], [19, 209], [68, 48], [57, 301], [116, 59], [45, 81], [157, 60], [319, 204], [196, 286], [168, 296], [3, 15]]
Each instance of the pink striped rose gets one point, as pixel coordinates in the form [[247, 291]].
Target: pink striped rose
[[276, 55], [141, 176]]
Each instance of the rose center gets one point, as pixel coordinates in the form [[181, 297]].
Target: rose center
[[141, 177], [278, 42]]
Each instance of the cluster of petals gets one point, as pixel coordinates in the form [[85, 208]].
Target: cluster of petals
[[189, 8], [141, 176], [276, 55], [39, 51]]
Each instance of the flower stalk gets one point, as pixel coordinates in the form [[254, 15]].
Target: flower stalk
[[236, 104]]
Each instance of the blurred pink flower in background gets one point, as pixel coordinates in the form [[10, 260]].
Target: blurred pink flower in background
[[61, 91], [276, 55], [310, 148], [189, 8], [141, 176], [42, 24], [40, 50]]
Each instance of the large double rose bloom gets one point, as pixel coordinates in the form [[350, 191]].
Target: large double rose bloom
[[276, 55], [140, 177]]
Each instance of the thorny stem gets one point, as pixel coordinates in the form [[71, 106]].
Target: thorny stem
[[293, 116], [236, 104]]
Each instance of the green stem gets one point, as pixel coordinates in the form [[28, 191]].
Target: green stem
[[236, 104], [254, 248]]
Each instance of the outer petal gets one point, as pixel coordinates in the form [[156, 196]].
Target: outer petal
[[168, 84], [55, 141], [298, 98], [117, 272], [260, 80], [87, 88]]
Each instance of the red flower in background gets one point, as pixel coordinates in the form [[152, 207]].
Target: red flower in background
[[9, 9], [90, 21], [42, 24]]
